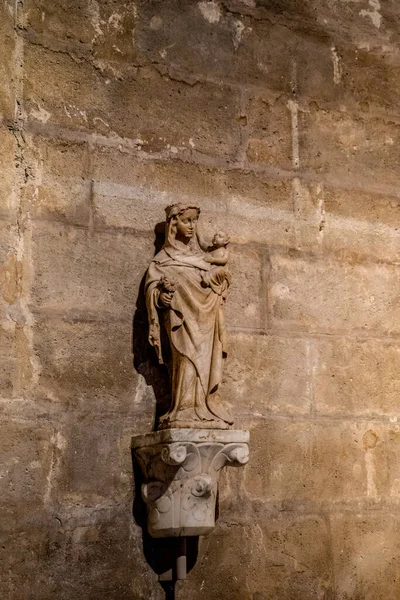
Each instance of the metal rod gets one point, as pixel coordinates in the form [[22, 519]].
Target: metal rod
[[181, 569], [169, 589]]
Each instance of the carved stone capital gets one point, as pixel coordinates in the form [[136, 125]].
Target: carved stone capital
[[181, 471]]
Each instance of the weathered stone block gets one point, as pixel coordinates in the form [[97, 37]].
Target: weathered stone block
[[104, 557], [8, 73], [366, 554], [368, 77], [137, 106], [8, 149], [231, 46], [245, 304], [361, 225], [316, 79], [93, 459], [31, 540], [81, 272], [347, 144], [26, 463], [8, 368], [246, 220], [382, 447], [59, 187], [308, 462], [267, 374], [10, 272], [309, 215], [9, 263], [77, 21], [123, 186], [331, 296], [270, 131], [76, 541], [223, 45], [249, 205], [346, 22], [356, 376], [98, 29], [371, 208], [91, 363], [283, 556]]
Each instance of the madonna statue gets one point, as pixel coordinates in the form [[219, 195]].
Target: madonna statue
[[186, 288]]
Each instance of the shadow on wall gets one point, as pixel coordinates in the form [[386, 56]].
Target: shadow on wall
[[144, 357], [161, 554]]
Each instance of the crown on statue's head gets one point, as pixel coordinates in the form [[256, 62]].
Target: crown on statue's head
[[173, 210]]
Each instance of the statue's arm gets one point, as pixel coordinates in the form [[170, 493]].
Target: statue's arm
[[166, 287], [164, 299], [152, 299], [205, 247], [218, 258]]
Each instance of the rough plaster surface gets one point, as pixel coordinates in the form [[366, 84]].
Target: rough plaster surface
[[281, 119]]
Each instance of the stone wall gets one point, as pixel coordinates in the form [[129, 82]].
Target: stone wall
[[280, 117]]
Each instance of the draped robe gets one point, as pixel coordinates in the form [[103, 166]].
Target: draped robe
[[196, 330]]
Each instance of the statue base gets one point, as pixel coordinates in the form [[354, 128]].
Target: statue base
[[181, 471], [180, 424]]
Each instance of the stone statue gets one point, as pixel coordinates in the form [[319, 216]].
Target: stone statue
[[186, 288]]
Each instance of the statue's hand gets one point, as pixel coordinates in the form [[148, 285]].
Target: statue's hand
[[166, 298], [167, 287]]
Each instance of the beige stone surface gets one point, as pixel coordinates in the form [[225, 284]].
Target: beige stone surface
[[361, 226], [344, 143], [88, 362], [8, 150], [281, 555], [103, 29], [135, 106], [80, 271], [87, 469], [280, 119], [252, 206], [269, 123], [306, 462], [80, 534], [26, 464], [356, 377], [59, 187], [10, 317], [8, 68], [362, 547], [245, 307], [247, 49], [329, 296], [268, 374]]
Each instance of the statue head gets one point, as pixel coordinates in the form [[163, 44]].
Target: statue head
[[181, 222], [220, 239]]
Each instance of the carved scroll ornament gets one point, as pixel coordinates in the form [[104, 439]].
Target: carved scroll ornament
[[181, 470]]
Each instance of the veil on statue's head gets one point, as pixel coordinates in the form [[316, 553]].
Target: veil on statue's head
[[171, 212]]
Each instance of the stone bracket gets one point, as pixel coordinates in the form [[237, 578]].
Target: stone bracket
[[181, 472]]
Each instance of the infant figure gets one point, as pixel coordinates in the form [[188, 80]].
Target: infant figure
[[218, 278], [218, 252]]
